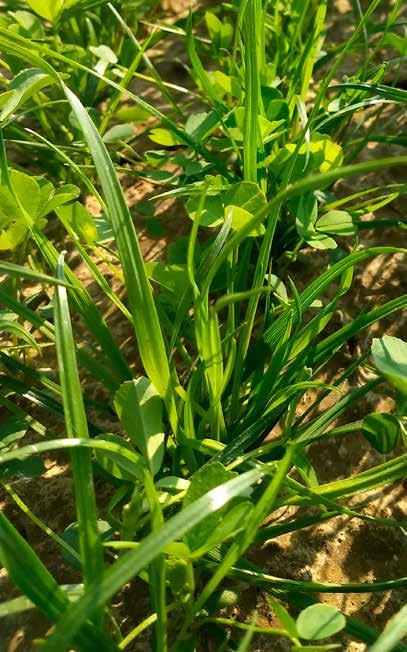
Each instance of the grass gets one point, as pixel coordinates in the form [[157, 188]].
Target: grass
[[229, 339]]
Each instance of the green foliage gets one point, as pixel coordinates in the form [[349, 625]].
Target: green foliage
[[382, 431], [393, 633], [390, 357], [140, 409], [319, 621], [225, 522], [46, 8], [20, 206], [25, 201], [172, 372], [22, 88]]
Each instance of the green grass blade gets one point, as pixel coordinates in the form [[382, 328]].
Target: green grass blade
[[124, 456], [157, 573], [334, 342], [252, 90], [147, 326], [141, 52], [24, 272], [32, 52], [85, 305], [317, 427], [198, 68], [312, 182], [94, 269], [39, 523], [261, 509], [76, 169], [388, 92], [133, 561], [40, 587], [264, 580], [21, 604], [76, 425], [395, 631], [314, 49], [377, 476], [301, 600], [88, 361], [315, 289]]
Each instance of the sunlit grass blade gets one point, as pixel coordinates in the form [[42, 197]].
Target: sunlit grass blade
[[147, 326], [252, 41], [132, 562], [394, 632]]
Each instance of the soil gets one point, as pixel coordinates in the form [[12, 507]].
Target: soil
[[339, 551]]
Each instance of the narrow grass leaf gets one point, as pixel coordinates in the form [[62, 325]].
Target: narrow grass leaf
[[39, 585], [30, 274], [76, 425], [394, 632], [147, 326]]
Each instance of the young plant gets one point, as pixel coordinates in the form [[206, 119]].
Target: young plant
[[210, 440]]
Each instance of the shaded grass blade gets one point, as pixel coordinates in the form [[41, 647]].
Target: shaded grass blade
[[76, 425], [90, 313], [39, 585], [30, 274]]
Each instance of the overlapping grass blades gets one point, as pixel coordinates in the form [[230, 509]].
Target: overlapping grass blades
[[246, 359], [133, 561], [146, 323], [148, 330]]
